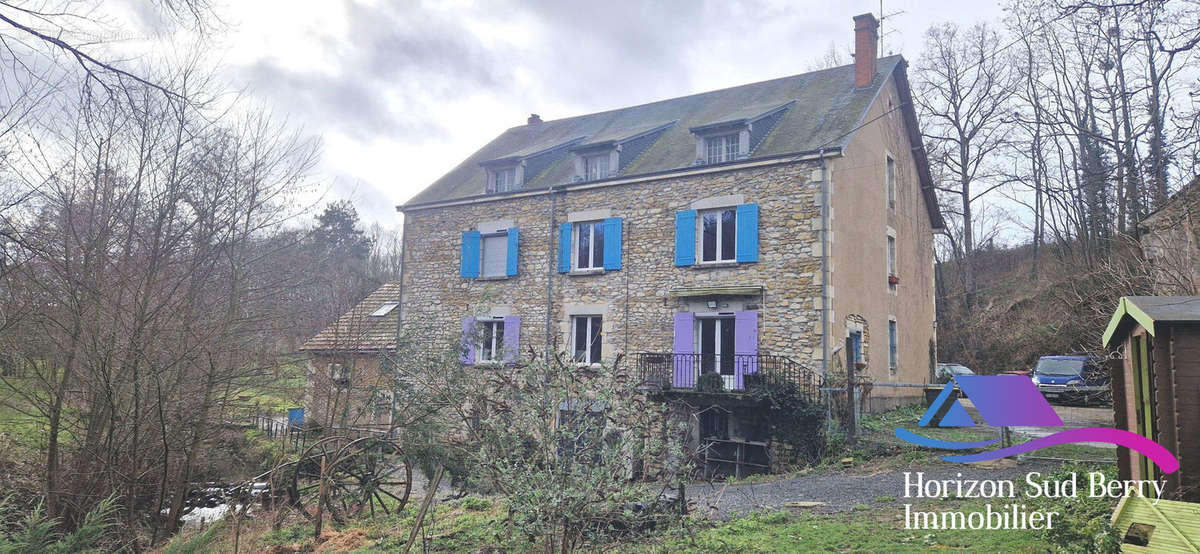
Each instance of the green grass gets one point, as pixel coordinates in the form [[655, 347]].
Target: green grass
[[871, 530]]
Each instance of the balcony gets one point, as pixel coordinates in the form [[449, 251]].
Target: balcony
[[740, 373]]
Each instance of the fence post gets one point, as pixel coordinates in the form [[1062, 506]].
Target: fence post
[[851, 425]]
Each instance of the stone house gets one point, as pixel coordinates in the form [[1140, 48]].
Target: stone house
[[1171, 242], [745, 232], [347, 384]]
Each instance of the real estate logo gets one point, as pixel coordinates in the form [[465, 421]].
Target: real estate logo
[[1013, 401]]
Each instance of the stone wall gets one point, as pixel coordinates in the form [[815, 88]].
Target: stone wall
[[1172, 243], [355, 403], [634, 301]]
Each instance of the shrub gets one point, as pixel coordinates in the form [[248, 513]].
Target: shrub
[[1083, 524], [796, 420], [710, 382], [38, 533]]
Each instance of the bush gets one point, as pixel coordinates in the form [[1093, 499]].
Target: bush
[[710, 382], [38, 533], [1083, 524], [796, 420]]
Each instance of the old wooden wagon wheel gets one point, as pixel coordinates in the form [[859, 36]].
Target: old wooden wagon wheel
[[365, 474]]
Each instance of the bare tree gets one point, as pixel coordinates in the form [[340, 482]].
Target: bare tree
[[963, 91]]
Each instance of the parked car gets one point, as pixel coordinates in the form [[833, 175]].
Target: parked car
[[1021, 372], [1072, 379], [945, 372]]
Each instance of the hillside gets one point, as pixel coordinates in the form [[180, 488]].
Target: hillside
[[1019, 315]]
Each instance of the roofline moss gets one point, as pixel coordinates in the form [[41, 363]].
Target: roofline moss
[[778, 159]]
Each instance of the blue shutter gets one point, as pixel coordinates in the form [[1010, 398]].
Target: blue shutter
[[469, 265], [685, 238], [612, 243], [747, 233], [511, 258], [564, 248]]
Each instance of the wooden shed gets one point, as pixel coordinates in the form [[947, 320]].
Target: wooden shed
[[1156, 391], [1159, 527]]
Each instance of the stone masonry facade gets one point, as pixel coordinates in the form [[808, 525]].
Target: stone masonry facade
[[635, 302]]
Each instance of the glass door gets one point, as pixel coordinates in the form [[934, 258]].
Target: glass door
[[715, 338]]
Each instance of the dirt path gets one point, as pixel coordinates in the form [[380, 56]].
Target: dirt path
[[839, 491]]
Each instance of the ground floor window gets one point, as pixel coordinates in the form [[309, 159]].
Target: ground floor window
[[893, 345], [491, 340], [586, 338]]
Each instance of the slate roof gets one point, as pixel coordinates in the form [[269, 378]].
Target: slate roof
[[1151, 310], [824, 109], [357, 330]]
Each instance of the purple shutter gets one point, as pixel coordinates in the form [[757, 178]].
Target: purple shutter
[[468, 341], [512, 338], [685, 374], [745, 345]]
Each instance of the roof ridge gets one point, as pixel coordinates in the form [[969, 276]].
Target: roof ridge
[[702, 93]]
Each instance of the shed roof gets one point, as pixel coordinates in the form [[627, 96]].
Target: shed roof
[[1150, 310], [823, 109], [1176, 524], [359, 331]]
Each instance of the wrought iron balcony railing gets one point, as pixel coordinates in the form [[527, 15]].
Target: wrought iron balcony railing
[[738, 372]]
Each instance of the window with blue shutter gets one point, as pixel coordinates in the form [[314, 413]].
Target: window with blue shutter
[[469, 265], [564, 248], [747, 233], [612, 243], [685, 238], [511, 259]]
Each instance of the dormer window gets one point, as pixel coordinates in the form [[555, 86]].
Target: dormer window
[[722, 148], [597, 161], [504, 179], [596, 166]]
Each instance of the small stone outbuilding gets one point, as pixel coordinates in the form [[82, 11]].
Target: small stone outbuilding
[[347, 380]]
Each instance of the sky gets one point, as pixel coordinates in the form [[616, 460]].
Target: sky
[[400, 92]]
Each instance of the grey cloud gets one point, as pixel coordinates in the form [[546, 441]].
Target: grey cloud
[[413, 58]]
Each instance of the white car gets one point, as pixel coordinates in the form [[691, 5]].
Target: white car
[[945, 372]]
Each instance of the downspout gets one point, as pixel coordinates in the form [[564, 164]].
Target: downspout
[[399, 313], [550, 268], [825, 302]]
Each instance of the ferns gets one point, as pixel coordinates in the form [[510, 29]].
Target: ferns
[[38, 534]]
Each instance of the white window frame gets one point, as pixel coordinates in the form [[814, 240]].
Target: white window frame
[[889, 175], [596, 166], [491, 332], [722, 148], [483, 253], [593, 323], [385, 309], [893, 344], [595, 259], [718, 248], [505, 179]]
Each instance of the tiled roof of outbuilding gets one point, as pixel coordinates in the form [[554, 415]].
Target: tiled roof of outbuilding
[[357, 330]]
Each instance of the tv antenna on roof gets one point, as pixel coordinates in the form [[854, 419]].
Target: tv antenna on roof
[[882, 17]]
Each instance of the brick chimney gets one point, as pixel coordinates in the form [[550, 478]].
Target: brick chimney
[[534, 119], [866, 48]]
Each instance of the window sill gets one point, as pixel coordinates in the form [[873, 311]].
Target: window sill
[[588, 271], [493, 278], [713, 265], [586, 365]]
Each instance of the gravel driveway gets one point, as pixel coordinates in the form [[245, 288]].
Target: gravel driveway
[[839, 491]]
